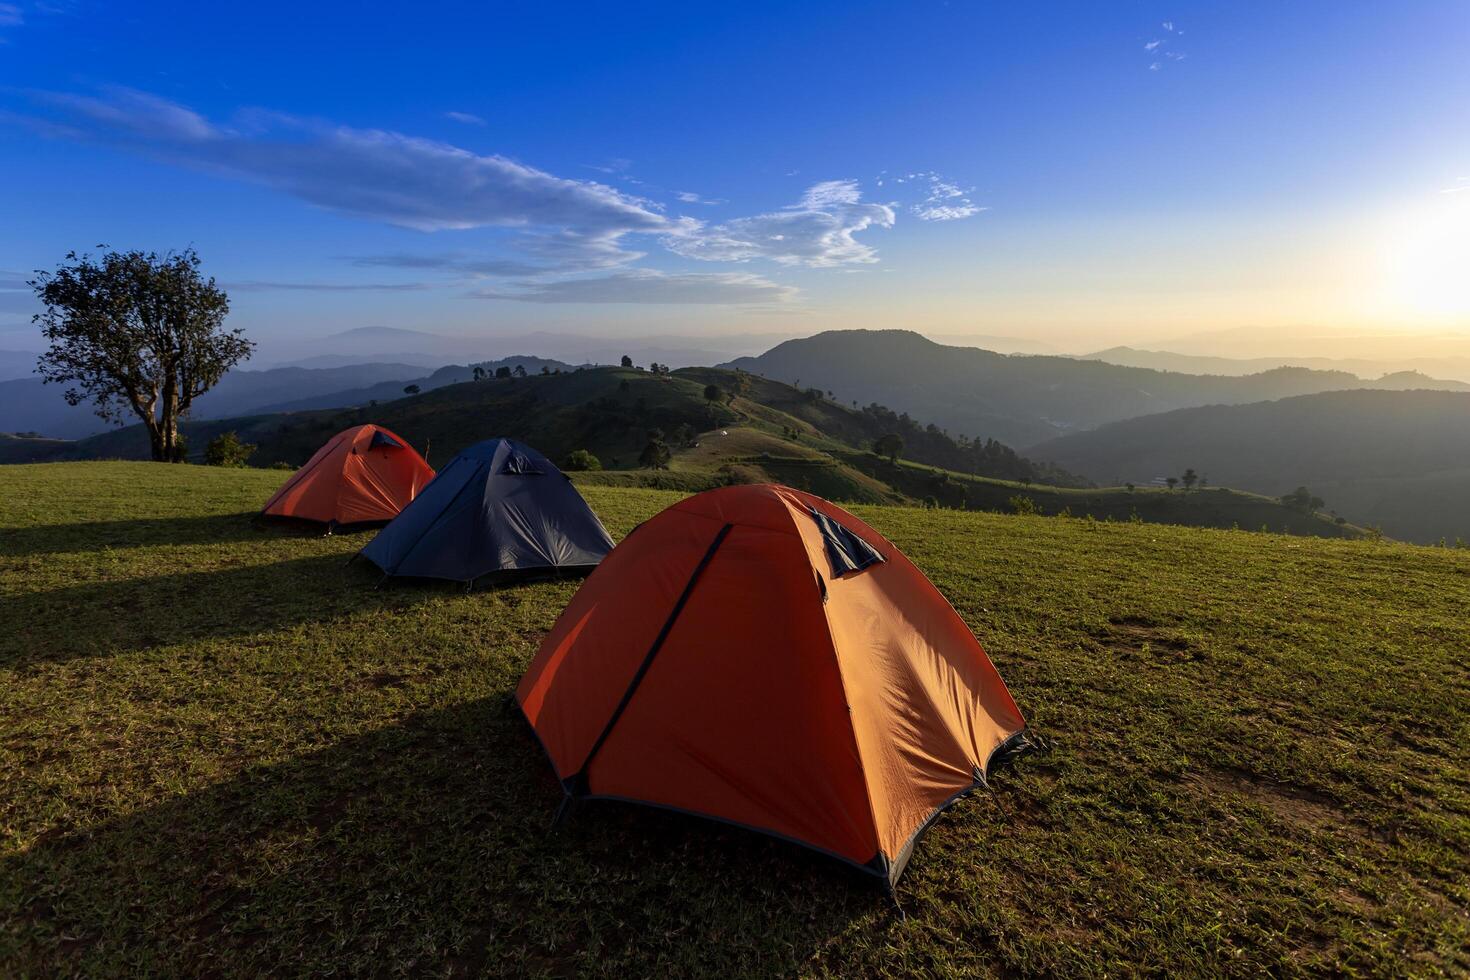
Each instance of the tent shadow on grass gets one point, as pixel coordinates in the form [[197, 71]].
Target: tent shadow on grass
[[150, 532], [421, 847], [103, 618]]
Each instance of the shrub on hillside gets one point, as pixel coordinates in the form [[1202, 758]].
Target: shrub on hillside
[[1022, 504], [226, 449], [580, 460]]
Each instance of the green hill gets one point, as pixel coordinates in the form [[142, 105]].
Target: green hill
[[1395, 459], [756, 431], [222, 751]]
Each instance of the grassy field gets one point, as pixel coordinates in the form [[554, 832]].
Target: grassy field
[[223, 751]]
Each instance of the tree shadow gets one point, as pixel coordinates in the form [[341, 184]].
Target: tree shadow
[[104, 618], [55, 539], [422, 847]]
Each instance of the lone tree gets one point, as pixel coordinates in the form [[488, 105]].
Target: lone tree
[[1189, 479], [412, 390], [139, 334], [479, 373], [1173, 482], [502, 372], [627, 361], [890, 445], [655, 455], [713, 394]]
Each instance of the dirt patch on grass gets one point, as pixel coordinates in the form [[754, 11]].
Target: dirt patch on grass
[[1298, 805], [1136, 635]]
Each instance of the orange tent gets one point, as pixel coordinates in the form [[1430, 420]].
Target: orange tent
[[759, 656], [363, 475]]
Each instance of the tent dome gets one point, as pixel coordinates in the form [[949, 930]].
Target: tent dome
[[362, 475], [759, 656], [497, 507]]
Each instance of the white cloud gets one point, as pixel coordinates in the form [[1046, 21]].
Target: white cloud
[[367, 173], [649, 287], [1156, 66], [468, 118], [1151, 45], [817, 231], [689, 197], [1168, 25], [945, 201], [10, 15]]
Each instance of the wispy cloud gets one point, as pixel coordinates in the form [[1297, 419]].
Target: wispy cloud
[[943, 199], [1164, 46], [456, 265], [649, 287], [1461, 184], [689, 197], [468, 118], [261, 286], [816, 231], [368, 173], [10, 15]]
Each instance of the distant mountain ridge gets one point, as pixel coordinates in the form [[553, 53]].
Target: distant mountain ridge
[[1455, 370], [29, 406], [1019, 399]]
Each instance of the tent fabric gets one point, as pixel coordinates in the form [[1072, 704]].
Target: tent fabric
[[497, 507], [712, 665], [362, 475]]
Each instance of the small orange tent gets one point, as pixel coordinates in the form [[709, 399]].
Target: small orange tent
[[759, 656], [363, 475]]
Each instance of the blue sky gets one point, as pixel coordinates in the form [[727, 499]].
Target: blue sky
[[1083, 173]]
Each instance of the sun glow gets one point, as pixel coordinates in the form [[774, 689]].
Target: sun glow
[[1427, 260]]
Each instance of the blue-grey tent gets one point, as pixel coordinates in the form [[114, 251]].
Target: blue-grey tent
[[499, 508]]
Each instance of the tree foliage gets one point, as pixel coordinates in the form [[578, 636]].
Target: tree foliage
[[889, 444], [655, 456], [226, 449], [581, 460], [1304, 500], [136, 334]]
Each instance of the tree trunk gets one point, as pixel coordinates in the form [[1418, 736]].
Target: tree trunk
[[169, 419], [155, 439]]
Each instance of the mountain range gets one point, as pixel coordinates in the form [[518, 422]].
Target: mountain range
[[1021, 400], [1407, 369]]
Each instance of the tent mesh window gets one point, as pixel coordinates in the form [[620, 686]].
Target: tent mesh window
[[846, 551], [518, 462], [382, 439]]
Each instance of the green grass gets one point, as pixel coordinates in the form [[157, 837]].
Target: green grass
[[223, 751]]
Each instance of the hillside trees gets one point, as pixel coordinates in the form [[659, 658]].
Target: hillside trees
[[1303, 499], [889, 444], [136, 333]]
